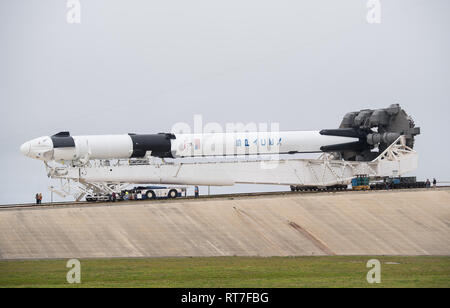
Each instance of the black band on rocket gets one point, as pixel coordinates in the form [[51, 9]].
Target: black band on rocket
[[62, 140], [360, 145], [158, 144]]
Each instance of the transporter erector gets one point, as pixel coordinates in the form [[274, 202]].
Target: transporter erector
[[105, 162]]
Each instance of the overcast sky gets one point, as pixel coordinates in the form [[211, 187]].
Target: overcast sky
[[141, 66]]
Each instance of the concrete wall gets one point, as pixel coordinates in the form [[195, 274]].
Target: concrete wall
[[364, 223]]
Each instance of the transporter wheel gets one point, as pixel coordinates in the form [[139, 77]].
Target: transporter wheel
[[150, 194], [172, 194]]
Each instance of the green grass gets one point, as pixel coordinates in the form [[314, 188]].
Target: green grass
[[239, 272]]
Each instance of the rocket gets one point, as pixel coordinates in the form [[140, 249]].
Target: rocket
[[359, 133], [64, 147]]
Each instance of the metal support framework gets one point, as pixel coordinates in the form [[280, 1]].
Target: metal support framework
[[103, 177]]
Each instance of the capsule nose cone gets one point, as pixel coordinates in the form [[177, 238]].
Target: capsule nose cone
[[25, 148]]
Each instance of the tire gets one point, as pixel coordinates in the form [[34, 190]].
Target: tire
[[172, 194], [150, 194]]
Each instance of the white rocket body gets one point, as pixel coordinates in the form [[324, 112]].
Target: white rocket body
[[63, 147], [252, 143]]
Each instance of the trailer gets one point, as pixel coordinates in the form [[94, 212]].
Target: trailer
[[138, 193], [153, 192], [398, 183]]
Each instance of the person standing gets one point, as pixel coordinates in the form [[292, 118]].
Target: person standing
[[427, 183], [40, 198], [37, 198], [434, 183], [196, 191]]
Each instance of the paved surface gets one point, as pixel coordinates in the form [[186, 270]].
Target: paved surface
[[415, 222]]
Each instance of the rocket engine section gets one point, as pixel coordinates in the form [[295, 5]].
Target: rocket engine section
[[377, 129]]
